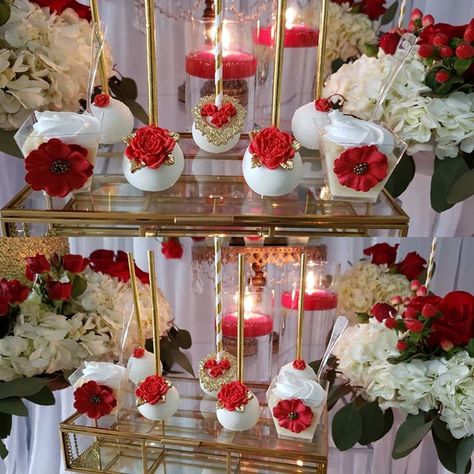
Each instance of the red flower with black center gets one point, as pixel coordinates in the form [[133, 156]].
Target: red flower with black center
[[94, 400], [293, 415], [57, 168], [361, 168]]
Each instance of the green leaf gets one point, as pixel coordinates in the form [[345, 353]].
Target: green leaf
[[43, 397], [362, 318], [336, 392], [371, 50], [21, 387], [441, 430], [373, 423], [346, 427], [3, 450], [462, 65], [402, 176], [388, 421], [137, 110], [470, 347], [5, 424], [410, 434], [4, 11], [79, 285], [183, 339], [123, 88], [181, 359], [463, 454], [389, 14], [13, 406], [445, 175], [463, 188], [336, 64], [446, 451], [8, 144]]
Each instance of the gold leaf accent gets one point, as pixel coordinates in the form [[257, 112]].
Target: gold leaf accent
[[256, 163], [219, 136], [174, 136], [287, 165], [169, 160], [215, 383], [253, 134], [136, 165], [296, 145]]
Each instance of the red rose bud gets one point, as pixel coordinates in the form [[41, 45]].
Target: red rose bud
[[75, 263], [442, 76], [410, 313], [407, 300], [59, 291], [138, 352], [382, 253], [389, 42], [412, 266], [323, 105], [445, 52], [429, 311], [402, 346], [382, 311], [102, 100], [414, 285], [416, 14], [391, 323], [446, 345], [36, 266], [299, 364], [372, 8], [425, 50], [396, 300], [440, 39], [465, 51], [4, 306], [422, 291], [427, 20], [469, 34], [414, 325], [411, 26], [171, 248]]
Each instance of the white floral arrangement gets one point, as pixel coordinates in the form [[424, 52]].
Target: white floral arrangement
[[44, 61]]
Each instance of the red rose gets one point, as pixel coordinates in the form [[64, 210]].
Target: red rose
[[299, 364], [75, 263], [272, 147], [94, 400], [232, 396], [323, 105], [293, 415], [361, 168], [150, 146], [389, 42], [216, 369], [412, 266], [373, 8], [414, 325], [138, 352], [456, 323], [382, 253], [13, 291], [451, 31], [58, 6], [417, 303], [171, 248], [340, 2], [57, 168], [115, 265], [153, 389], [219, 117], [36, 266], [102, 100], [402, 346], [382, 311], [59, 291], [4, 306]]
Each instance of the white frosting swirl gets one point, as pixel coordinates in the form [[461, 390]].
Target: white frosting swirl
[[289, 385], [307, 372], [345, 129], [103, 372], [69, 124]]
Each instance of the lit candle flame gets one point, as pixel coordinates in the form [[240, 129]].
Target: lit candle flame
[[310, 282], [248, 304], [290, 17]]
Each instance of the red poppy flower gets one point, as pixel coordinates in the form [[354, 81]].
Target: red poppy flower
[[36, 266], [171, 248], [361, 168], [75, 263], [94, 400], [293, 415], [59, 291], [57, 168]]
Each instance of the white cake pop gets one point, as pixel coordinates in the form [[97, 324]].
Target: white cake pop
[[157, 398], [299, 368], [117, 119], [140, 365], [272, 165], [153, 160], [303, 125], [217, 129], [237, 407], [213, 375]]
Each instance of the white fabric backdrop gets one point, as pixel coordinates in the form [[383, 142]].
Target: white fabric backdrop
[[34, 444]]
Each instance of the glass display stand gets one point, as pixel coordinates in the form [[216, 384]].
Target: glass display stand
[[192, 441]]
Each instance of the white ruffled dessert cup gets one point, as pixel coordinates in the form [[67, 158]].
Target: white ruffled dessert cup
[[82, 130], [213, 374], [116, 118], [153, 160], [217, 130], [296, 405], [140, 365], [237, 407], [157, 398], [268, 173], [358, 157]]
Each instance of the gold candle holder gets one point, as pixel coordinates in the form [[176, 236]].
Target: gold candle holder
[[136, 299], [102, 62], [278, 66], [155, 312], [240, 321], [321, 49], [151, 62], [299, 333]]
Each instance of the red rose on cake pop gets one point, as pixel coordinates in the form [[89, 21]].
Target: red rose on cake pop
[[216, 369], [323, 105], [219, 116], [361, 168], [153, 389], [272, 147], [102, 100], [293, 415], [94, 400], [233, 396], [299, 364], [150, 146]]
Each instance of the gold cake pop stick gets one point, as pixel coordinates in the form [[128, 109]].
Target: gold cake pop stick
[[323, 29], [151, 62], [155, 312], [299, 333], [278, 63], [102, 62], [240, 321], [136, 299]]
